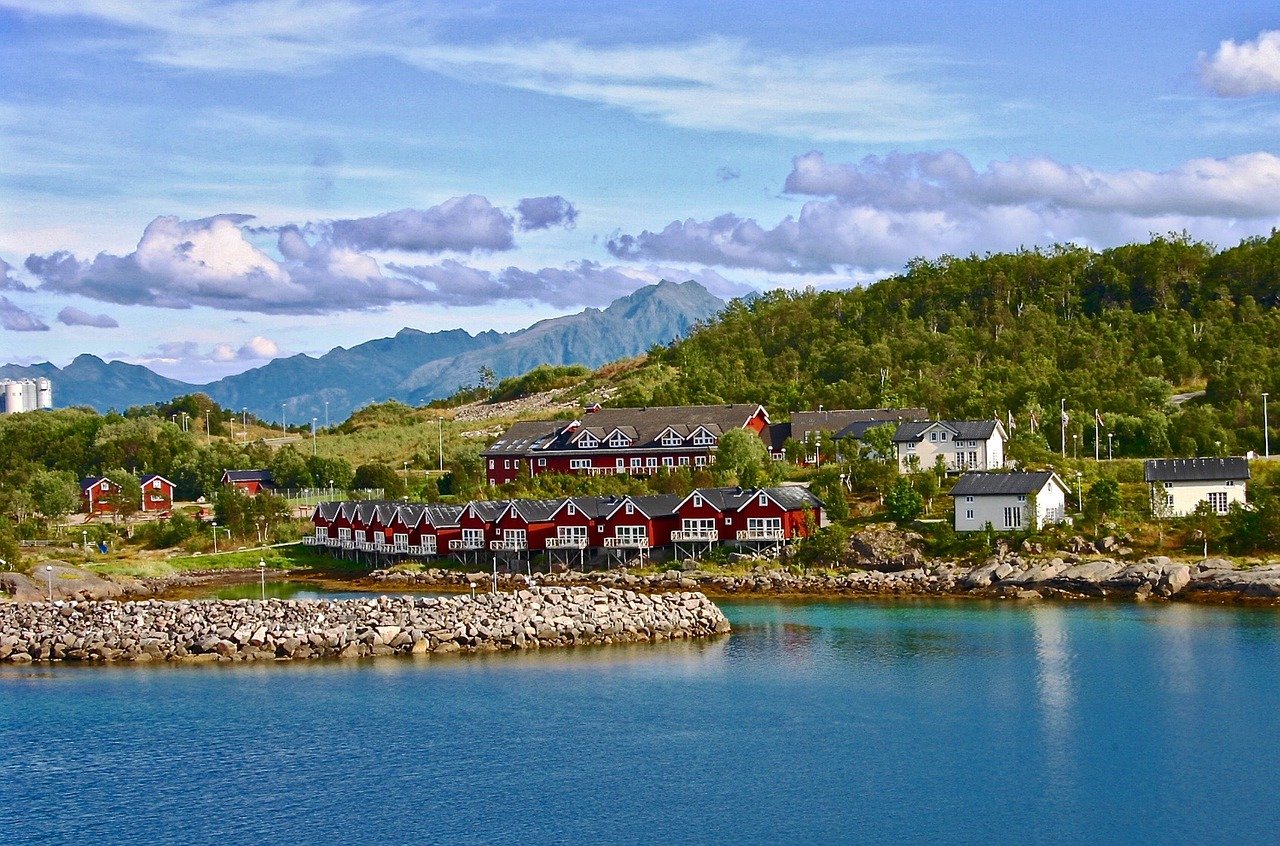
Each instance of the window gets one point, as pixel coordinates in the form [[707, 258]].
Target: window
[[635, 461], [763, 499], [621, 465], [156, 484], [106, 486], [579, 463], [1218, 501], [473, 538], [400, 539], [670, 438], [1230, 483], [968, 499], [515, 538], [322, 532], [684, 461], [1168, 485], [700, 460], [588, 441], [572, 533], [1168, 501], [651, 461], [506, 465], [728, 521], [764, 525], [703, 438], [344, 534], [668, 461], [911, 446], [490, 463], [542, 462], [360, 536], [697, 500], [942, 436], [1022, 497], [968, 514], [571, 510], [634, 534], [699, 526], [1013, 517], [619, 440], [631, 509], [933, 436]]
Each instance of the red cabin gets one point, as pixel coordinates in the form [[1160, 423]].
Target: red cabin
[[157, 494], [98, 495], [525, 524], [476, 526], [251, 482], [641, 522]]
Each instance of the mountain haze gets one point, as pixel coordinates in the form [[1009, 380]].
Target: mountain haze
[[412, 366]]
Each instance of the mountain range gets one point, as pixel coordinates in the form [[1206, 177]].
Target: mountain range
[[413, 366]]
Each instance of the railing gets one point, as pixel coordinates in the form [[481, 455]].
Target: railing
[[457, 545], [761, 535], [566, 543], [509, 545], [695, 535], [366, 546], [626, 543], [312, 540], [348, 544]]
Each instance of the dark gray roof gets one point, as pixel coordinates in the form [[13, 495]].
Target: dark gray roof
[[643, 425], [89, 481], [775, 435], [724, 499], [525, 435], [836, 420], [489, 510], [263, 476], [998, 484], [967, 430], [793, 497], [1196, 469], [593, 507], [652, 505], [536, 510]]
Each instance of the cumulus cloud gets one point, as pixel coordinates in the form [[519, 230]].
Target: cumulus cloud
[[256, 348], [884, 210], [462, 224], [15, 319], [209, 262], [8, 282], [545, 212], [72, 316], [1240, 69]]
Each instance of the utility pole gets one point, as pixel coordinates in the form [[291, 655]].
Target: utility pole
[[313, 437], [440, 432]]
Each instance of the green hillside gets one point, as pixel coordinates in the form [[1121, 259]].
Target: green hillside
[[1121, 330]]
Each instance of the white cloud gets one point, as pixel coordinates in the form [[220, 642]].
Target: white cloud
[[881, 212], [72, 316], [16, 319], [462, 224], [256, 348], [1243, 68], [888, 93], [9, 282]]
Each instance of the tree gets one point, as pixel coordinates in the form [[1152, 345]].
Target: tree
[[10, 551], [373, 475], [127, 500], [829, 487], [54, 493], [926, 484], [878, 441], [290, 470], [1104, 498], [903, 503], [330, 470], [742, 458]]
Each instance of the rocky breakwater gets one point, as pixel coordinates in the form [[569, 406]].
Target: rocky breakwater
[[248, 630]]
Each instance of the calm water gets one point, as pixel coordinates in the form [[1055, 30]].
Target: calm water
[[813, 723]]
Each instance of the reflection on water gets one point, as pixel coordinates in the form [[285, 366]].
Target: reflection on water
[[827, 722]]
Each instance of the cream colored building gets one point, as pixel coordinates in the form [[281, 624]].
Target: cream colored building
[[963, 444], [1005, 501], [1179, 485]]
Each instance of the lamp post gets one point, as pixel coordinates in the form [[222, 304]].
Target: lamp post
[[215, 537], [244, 422], [208, 430], [331, 489], [262, 571], [326, 414], [1079, 492], [1266, 430], [440, 435], [48, 571], [406, 475], [1109, 436], [84, 538], [284, 428], [313, 437], [1075, 445]]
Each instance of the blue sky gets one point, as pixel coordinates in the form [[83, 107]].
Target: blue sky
[[200, 186]]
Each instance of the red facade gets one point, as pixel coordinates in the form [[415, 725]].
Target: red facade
[[98, 496]]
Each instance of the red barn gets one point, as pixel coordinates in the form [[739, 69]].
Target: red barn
[[98, 495], [157, 494]]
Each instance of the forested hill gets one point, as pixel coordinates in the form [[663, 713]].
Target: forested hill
[[1121, 330]]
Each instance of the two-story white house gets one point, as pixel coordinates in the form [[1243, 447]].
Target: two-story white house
[[1004, 500], [963, 444], [1178, 485]]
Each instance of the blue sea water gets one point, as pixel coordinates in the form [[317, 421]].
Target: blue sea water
[[856, 722]]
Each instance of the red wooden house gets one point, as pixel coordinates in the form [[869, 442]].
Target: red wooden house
[[157, 494], [778, 513], [524, 525], [98, 495], [476, 526], [435, 528], [251, 482], [641, 522]]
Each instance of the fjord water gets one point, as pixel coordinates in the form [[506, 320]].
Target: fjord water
[[910, 721]]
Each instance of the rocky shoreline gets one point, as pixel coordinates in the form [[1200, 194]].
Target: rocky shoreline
[[254, 630], [1002, 576]]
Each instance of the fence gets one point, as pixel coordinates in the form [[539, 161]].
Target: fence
[[315, 496]]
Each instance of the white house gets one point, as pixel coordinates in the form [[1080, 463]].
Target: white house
[[1178, 485], [1003, 499], [963, 444]]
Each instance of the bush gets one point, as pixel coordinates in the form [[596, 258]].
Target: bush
[[903, 504]]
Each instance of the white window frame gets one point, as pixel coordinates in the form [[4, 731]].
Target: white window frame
[[697, 500], [763, 499], [322, 533], [1218, 501], [636, 461], [513, 538], [632, 533], [619, 440], [699, 524], [1013, 517], [587, 441], [344, 534], [400, 538], [579, 463], [361, 537], [700, 460], [651, 461], [968, 514], [472, 537], [668, 461], [703, 438], [571, 533], [630, 509], [671, 439], [542, 462], [684, 461]]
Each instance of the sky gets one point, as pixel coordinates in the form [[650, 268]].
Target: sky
[[203, 186]]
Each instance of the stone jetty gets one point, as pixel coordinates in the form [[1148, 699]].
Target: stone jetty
[[275, 629]]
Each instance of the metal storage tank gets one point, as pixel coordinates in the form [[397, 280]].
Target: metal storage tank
[[44, 393], [13, 397], [28, 394]]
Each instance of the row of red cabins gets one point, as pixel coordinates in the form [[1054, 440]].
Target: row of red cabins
[[628, 524]]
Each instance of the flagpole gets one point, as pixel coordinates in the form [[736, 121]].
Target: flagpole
[[1063, 419], [1097, 422]]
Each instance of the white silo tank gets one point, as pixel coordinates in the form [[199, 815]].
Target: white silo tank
[[44, 393], [12, 397], [28, 394]]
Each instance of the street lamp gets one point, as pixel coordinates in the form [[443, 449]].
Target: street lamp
[[406, 475], [84, 537], [1109, 436], [326, 414], [313, 437], [283, 427], [215, 537], [1075, 445], [262, 571], [1079, 492], [48, 571], [331, 489], [1266, 430]]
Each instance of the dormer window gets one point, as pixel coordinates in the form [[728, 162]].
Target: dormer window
[[697, 501], [933, 436], [671, 439], [631, 509], [763, 500], [588, 441], [703, 438], [619, 440], [944, 436]]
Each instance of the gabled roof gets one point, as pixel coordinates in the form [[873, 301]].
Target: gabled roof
[[264, 476], [441, 516], [327, 511], [524, 436], [965, 430], [533, 510], [721, 499], [151, 477], [650, 505], [837, 420], [647, 424], [89, 481], [775, 435], [591, 507], [1196, 469], [486, 510], [1004, 484], [790, 497]]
